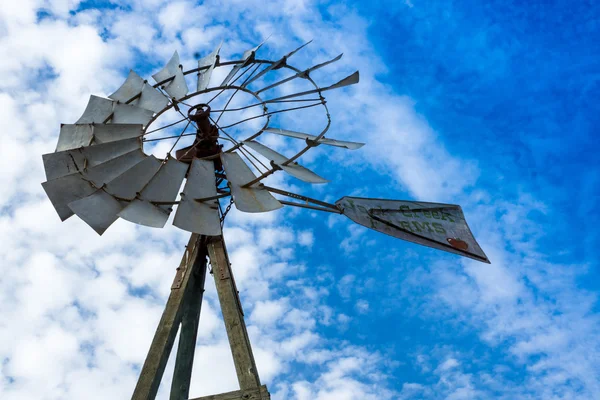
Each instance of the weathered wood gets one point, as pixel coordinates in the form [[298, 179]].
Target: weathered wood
[[250, 394], [180, 387], [158, 355], [243, 359]]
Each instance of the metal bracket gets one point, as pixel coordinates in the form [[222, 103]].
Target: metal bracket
[[185, 263], [224, 273], [178, 278]]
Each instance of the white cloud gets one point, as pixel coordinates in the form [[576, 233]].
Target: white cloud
[[79, 311]]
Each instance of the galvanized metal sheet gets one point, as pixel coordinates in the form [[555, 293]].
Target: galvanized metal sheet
[[294, 169], [98, 210], [132, 181], [71, 161], [177, 87], [144, 213], [210, 62], [73, 136], [97, 111], [168, 70], [132, 86], [323, 140], [150, 98], [441, 226], [105, 133], [347, 81], [107, 171], [195, 216], [100, 110], [66, 189], [128, 114], [253, 199], [163, 187]]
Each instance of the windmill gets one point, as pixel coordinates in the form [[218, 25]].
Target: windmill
[[100, 172]]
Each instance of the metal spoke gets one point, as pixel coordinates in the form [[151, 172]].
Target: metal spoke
[[164, 127], [271, 113], [237, 90], [242, 150], [259, 104], [180, 135], [168, 137], [218, 94]]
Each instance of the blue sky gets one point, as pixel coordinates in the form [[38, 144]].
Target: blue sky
[[491, 105]]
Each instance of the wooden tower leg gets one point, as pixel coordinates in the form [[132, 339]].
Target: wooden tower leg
[[233, 315], [182, 376], [158, 355]]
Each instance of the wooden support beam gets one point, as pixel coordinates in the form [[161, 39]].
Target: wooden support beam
[[158, 355], [245, 366], [252, 394], [180, 387]]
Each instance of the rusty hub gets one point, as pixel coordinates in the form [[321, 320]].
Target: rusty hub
[[206, 143]]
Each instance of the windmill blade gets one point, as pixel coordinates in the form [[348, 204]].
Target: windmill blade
[[302, 74], [209, 61], [294, 169], [77, 160], [176, 87], [195, 216], [128, 114], [99, 110], [65, 189], [440, 226], [98, 210], [250, 199], [347, 81], [277, 64], [132, 181], [247, 57], [323, 140], [163, 187], [74, 136], [147, 96], [113, 132]]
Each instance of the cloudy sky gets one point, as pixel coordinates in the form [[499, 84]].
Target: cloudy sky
[[491, 105]]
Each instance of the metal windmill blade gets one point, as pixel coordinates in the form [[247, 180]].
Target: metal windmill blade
[[313, 140], [281, 161], [171, 78], [143, 94], [206, 66]]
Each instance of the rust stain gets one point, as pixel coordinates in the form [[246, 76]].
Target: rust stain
[[458, 243]]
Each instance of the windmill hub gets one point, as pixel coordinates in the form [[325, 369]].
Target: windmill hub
[[206, 143]]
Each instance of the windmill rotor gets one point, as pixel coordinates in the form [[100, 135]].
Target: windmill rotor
[[100, 171]]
